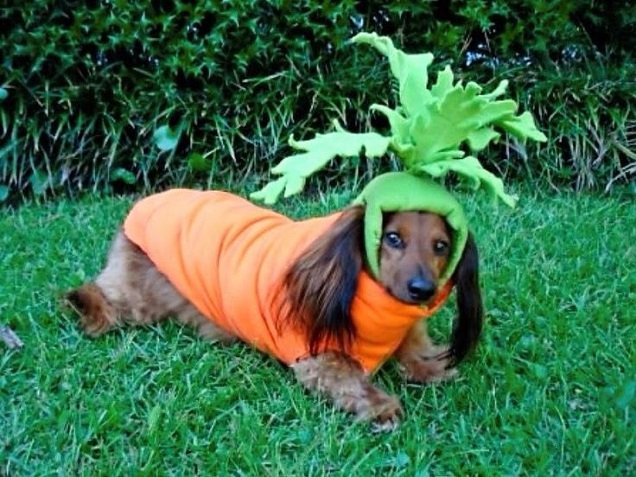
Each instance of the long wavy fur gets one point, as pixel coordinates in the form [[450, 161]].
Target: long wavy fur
[[321, 284], [469, 322]]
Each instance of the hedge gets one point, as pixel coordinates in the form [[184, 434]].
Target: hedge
[[89, 83]]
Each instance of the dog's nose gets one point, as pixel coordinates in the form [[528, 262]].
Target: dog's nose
[[420, 289]]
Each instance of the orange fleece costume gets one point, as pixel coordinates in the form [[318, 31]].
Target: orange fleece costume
[[228, 258]]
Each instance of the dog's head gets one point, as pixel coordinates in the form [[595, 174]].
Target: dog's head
[[414, 253]]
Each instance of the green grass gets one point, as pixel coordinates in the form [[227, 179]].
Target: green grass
[[551, 390]]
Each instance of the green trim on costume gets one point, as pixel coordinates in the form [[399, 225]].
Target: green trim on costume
[[401, 192]]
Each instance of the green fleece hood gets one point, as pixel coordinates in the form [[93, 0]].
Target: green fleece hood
[[401, 192]]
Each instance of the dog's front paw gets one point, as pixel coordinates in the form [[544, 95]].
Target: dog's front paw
[[388, 420], [383, 410], [343, 379], [428, 370]]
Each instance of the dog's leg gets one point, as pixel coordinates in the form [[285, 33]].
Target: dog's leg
[[418, 356], [130, 289], [343, 380], [97, 315], [117, 294]]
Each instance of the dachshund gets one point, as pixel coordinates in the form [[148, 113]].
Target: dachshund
[[313, 300]]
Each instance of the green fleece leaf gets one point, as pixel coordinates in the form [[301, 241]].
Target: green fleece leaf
[[498, 91], [443, 84], [523, 127], [294, 185], [471, 170], [344, 143], [319, 151], [399, 124], [479, 139], [430, 127], [270, 193], [411, 71]]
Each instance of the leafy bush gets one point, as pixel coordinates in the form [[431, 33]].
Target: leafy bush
[[89, 84]]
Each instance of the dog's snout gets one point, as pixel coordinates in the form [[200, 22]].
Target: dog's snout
[[420, 289]]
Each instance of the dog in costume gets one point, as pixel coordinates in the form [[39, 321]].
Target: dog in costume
[[332, 297]]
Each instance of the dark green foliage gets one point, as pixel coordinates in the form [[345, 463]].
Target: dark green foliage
[[89, 83]]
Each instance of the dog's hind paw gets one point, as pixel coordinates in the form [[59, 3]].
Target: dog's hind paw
[[96, 314]]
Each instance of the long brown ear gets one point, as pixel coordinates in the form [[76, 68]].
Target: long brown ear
[[468, 324], [321, 284]]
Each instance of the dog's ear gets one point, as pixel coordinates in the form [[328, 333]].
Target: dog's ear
[[321, 284], [468, 325]]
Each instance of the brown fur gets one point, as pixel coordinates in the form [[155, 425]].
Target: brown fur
[[131, 290], [321, 283], [421, 360], [342, 379], [319, 288]]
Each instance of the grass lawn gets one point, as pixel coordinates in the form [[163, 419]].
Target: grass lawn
[[551, 390]]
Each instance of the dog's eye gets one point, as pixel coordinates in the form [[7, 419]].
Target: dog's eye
[[393, 240], [440, 247]]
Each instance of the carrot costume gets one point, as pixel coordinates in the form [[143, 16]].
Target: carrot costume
[[228, 257]]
